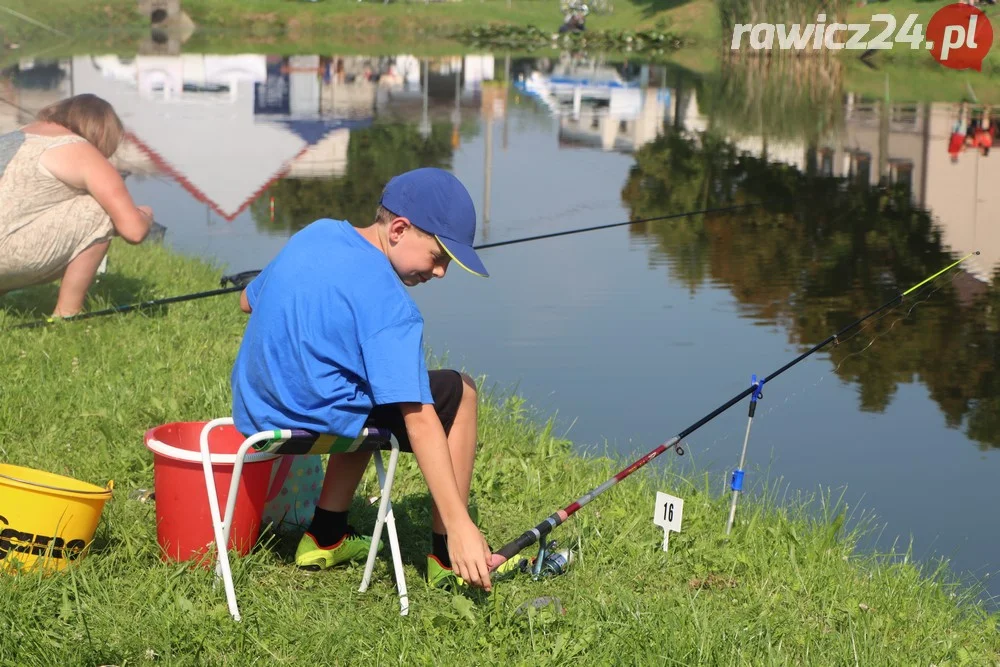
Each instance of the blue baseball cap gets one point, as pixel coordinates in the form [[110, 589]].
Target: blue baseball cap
[[437, 202]]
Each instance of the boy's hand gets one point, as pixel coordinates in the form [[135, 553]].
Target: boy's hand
[[470, 555]]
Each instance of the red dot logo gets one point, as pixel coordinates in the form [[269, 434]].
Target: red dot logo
[[959, 36]]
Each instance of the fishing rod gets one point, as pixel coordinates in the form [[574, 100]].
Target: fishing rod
[[539, 532], [497, 244], [17, 106], [130, 307], [241, 280]]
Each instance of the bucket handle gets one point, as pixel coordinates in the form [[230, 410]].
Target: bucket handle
[[195, 457], [59, 488]]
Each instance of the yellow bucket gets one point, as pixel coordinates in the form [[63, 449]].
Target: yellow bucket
[[46, 520]]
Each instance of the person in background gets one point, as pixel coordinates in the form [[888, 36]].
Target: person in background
[[62, 200], [982, 138], [959, 134]]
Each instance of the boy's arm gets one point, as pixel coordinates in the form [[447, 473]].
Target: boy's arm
[[244, 302], [467, 548]]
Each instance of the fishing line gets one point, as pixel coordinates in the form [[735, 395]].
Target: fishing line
[[618, 224], [583, 207], [916, 303], [17, 106], [32, 21]]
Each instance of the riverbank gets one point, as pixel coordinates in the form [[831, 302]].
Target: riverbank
[[786, 587], [685, 35], [375, 22]]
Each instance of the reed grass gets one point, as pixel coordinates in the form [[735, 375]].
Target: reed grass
[[792, 99]]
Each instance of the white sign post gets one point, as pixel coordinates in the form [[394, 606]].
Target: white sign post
[[667, 514]]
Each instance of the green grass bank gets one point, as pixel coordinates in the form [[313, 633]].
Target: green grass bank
[[788, 587], [374, 23], [429, 29]]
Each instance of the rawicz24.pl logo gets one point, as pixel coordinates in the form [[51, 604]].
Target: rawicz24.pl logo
[[958, 36]]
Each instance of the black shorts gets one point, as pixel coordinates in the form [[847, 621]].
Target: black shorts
[[446, 388]]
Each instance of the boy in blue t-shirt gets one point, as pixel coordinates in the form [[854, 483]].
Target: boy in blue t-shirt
[[334, 342]]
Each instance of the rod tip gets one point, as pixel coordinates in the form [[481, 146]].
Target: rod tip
[[977, 252]]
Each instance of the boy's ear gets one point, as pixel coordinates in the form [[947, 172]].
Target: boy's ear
[[397, 226]]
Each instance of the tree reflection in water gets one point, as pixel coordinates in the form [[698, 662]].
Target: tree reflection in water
[[821, 252]]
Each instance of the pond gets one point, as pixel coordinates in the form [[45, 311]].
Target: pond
[[632, 333]]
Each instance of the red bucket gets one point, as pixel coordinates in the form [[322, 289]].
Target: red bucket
[[183, 516]]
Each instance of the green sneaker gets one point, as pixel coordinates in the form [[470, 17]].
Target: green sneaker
[[510, 567], [352, 546], [439, 576]]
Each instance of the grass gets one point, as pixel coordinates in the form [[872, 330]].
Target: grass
[[378, 23], [912, 75], [902, 73], [426, 29], [788, 587], [332, 27]]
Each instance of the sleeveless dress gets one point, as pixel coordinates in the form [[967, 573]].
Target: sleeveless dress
[[44, 223]]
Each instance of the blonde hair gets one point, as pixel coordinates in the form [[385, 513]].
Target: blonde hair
[[89, 116]]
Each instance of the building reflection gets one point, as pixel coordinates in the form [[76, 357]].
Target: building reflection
[[597, 107], [226, 127], [906, 145], [898, 144]]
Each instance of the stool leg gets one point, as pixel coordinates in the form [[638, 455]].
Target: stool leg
[[218, 527], [384, 513], [383, 509], [390, 520]]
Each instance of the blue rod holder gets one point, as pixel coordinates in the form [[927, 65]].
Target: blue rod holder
[[737, 481]]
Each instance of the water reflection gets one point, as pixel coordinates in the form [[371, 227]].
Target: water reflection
[[826, 251], [863, 199], [267, 120], [294, 138], [227, 127]]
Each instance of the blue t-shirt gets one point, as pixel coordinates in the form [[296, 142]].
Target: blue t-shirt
[[332, 332]]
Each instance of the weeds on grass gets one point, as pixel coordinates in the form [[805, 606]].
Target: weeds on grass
[[788, 585]]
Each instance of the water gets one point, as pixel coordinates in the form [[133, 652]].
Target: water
[[630, 334]]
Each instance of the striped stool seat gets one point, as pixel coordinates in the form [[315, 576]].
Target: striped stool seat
[[297, 442]]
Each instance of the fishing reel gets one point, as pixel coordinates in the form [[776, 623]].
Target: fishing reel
[[548, 562], [239, 279]]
